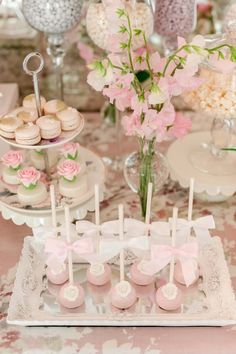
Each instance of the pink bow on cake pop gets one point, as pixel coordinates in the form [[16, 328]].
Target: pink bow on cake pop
[[161, 256], [59, 249]]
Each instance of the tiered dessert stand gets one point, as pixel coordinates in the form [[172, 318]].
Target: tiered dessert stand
[[40, 215]]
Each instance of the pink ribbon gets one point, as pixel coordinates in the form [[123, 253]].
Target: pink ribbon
[[161, 256], [59, 249]]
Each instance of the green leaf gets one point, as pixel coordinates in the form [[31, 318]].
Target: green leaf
[[123, 29], [233, 54], [123, 45], [120, 12], [221, 55], [137, 32], [142, 75], [187, 49], [139, 59]]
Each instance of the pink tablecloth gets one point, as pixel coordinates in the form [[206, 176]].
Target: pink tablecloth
[[14, 340]]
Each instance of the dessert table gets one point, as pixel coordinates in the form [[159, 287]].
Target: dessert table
[[101, 138]]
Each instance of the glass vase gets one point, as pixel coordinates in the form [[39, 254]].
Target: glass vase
[[145, 166]]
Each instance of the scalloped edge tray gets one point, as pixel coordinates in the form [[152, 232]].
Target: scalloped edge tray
[[24, 308]]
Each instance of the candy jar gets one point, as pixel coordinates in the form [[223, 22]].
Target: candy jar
[[54, 18], [173, 19], [216, 99], [102, 21]]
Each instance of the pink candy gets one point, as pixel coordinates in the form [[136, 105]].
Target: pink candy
[[71, 295], [175, 18], [138, 277], [99, 274]]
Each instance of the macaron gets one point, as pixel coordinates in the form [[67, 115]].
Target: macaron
[[27, 115], [30, 102], [8, 126], [28, 134], [54, 106], [70, 118], [50, 127]]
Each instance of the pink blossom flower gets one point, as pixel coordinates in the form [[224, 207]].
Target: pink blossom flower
[[131, 124], [121, 96], [187, 82], [70, 150], [158, 94], [29, 176], [68, 169], [86, 52], [167, 115], [156, 62], [12, 159], [101, 76], [223, 65], [139, 104], [125, 80], [181, 126]]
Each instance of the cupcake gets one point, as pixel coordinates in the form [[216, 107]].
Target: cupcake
[[54, 106], [71, 184], [12, 162], [31, 191], [70, 151], [37, 158]]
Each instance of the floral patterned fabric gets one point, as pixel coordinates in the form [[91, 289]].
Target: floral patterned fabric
[[18, 340]]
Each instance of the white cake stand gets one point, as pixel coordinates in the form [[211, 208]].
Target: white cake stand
[[40, 215], [208, 187]]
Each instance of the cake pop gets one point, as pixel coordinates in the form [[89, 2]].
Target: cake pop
[[98, 273], [178, 274], [123, 295], [169, 296], [58, 274], [137, 272], [71, 294]]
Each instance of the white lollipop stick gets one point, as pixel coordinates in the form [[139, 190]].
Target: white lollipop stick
[[97, 209], [121, 235], [53, 206], [190, 200], [97, 214], [190, 203], [173, 241], [68, 238], [149, 203]]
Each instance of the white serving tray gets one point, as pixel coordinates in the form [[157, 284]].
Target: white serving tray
[[209, 303]]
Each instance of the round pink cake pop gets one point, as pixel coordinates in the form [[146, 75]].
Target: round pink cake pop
[[99, 274], [57, 276], [169, 297], [178, 274], [123, 295], [138, 276], [71, 295]]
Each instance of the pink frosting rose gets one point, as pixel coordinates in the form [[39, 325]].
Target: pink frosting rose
[[12, 159], [68, 169], [70, 150], [29, 176]]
